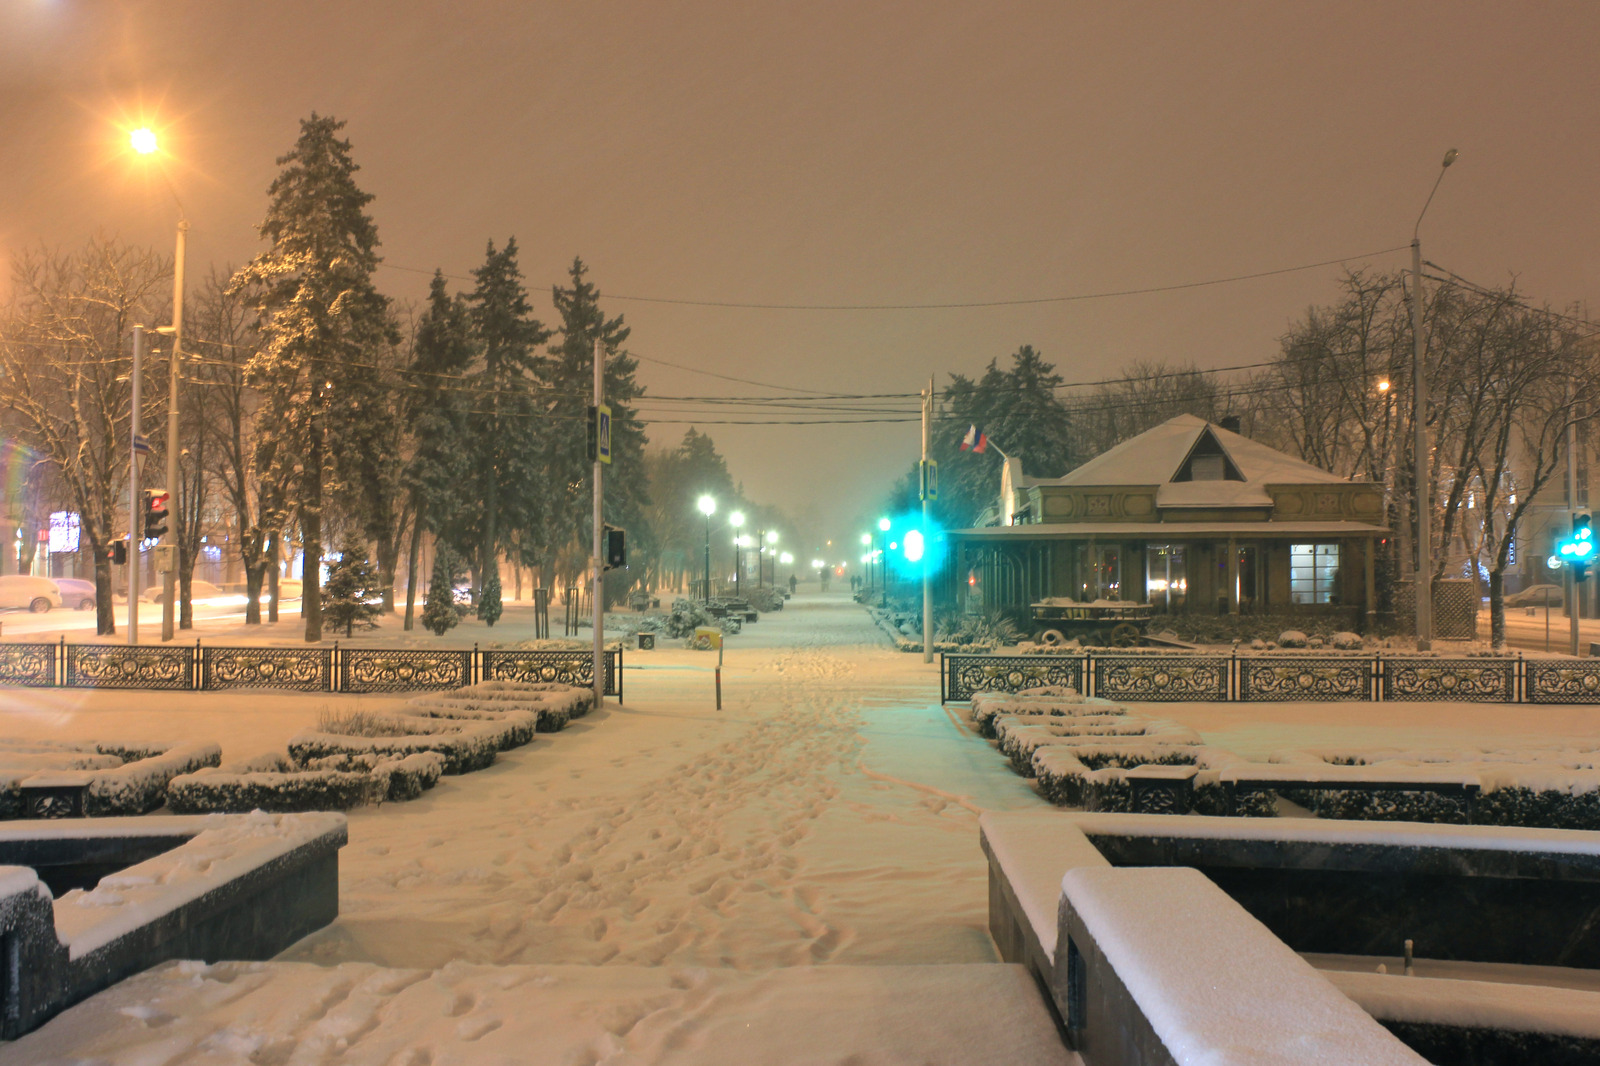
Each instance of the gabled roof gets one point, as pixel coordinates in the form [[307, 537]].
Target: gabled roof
[[1157, 455]]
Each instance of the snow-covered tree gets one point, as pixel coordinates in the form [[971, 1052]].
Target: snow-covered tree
[[352, 585], [439, 474], [439, 611], [320, 319], [510, 458]]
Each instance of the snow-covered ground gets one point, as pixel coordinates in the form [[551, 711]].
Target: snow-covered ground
[[826, 815]]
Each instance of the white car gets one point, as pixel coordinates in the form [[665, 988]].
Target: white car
[[37, 594], [76, 592]]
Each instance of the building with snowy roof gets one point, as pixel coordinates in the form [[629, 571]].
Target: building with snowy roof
[[1189, 518]]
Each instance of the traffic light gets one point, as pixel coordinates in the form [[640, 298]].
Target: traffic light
[[1578, 551], [118, 552], [616, 549], [155, 513]]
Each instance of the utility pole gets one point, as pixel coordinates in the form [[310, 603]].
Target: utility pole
[[1419, 379], [599, 522], [169, 580], [1570, 584], [927, 583], [134, 517]]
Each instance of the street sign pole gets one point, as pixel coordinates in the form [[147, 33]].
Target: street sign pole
[[927, 584], [602, 455]]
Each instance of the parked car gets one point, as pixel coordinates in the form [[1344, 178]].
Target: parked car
[[199, 592], [76, 592], [37, 594], [1536, 596]]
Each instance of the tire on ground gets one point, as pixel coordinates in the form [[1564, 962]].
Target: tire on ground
[[1052, 638], [39, 605]]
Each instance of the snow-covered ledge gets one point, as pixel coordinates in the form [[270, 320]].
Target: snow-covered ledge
[[1158, 965], [211, 887]]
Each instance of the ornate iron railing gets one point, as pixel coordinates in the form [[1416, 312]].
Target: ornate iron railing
[[961, 676], [381, 670], [28, 664], [1474, 680], [1308, 678], [294, 669], [196, 668], [1561, 681], [1161, 677], [125, 666], [561, 667]]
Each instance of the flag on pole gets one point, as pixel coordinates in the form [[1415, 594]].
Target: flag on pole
[[976, 440]]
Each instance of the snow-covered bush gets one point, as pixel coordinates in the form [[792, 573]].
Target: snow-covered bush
[[1066, 772], [1291, 638], [684, 617], [1051, 701], [1020, 738]]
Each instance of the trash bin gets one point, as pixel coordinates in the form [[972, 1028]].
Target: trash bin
[[647, 641]]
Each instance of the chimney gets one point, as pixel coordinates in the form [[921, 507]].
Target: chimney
[[1230, 423]]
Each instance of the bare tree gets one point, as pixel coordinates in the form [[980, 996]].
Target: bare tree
[[67, 363]]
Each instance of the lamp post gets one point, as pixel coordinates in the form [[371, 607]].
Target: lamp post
[[866, 561], [1423, 585], [883, 555], [772, 540], [145, 142], [736, 520], [708, 507]]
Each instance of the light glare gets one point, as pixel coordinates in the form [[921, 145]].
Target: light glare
[[143, 140]]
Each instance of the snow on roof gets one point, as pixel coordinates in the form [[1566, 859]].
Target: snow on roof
[[1155, 455]]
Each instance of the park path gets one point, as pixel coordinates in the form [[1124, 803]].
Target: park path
[[827, 814]]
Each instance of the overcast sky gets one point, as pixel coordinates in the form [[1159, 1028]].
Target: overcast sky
[[828, 153]]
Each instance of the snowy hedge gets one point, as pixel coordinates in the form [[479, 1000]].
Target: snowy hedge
[[1066, 772], [273, 783], [122, 778], [1046, 701], [1019, 738]]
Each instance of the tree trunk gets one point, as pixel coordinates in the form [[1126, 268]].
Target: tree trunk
[[273, 564], [105, 619], [311, 539], [1497, 610], [254, 577], [411, 572], [388, 560]]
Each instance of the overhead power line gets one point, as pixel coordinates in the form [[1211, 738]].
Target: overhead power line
[[946, 305]]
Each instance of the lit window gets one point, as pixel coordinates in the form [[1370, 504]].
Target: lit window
[[1313, 573]]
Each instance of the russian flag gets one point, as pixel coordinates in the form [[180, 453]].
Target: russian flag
[[976, 440]]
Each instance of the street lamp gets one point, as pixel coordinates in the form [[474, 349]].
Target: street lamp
[[708, 507], [1423, 582], [883, 554], [144, 142], [736, 520]]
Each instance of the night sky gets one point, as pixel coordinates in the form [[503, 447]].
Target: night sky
[[844, 153]]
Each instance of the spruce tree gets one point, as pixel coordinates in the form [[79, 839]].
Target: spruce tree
[[319, 317], [489, 607], [571, 374], [510, 471], [439, 611], [439, 474], [352, 582]]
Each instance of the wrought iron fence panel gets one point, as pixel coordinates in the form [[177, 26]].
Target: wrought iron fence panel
[[295, 669], [1309, 678], [559, 667], [122, 666], [969, 674], [378, 670], [33, 665], [1476, 680], [1161, 677], [1561, 681]]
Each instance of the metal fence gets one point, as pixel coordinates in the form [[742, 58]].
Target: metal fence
[[1297, 678], [194, 668]]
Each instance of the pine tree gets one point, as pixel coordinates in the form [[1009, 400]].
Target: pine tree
[[439, 611], [571, 375], [510, 470], [319, 316], [439, 474], [352, 582], [489, 606]]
